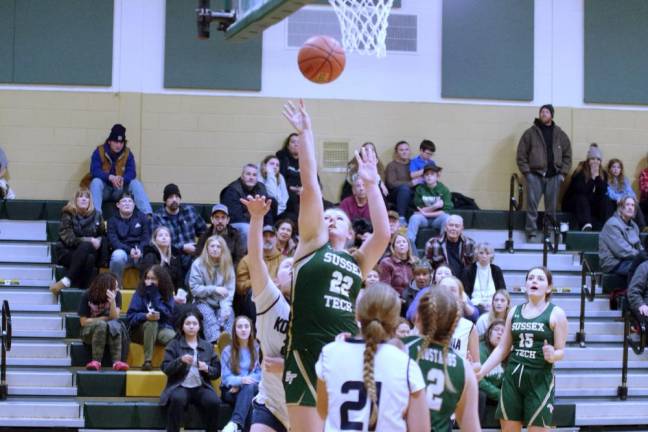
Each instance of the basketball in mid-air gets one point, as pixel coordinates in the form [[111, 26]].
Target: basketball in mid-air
[[321, 59]]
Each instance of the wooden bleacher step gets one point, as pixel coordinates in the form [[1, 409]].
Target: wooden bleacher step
[[29, 413], [35, 382], [612, 412], [38, 325], [32, 275], [15, 252], [23, 230], [523, 261], [497, 239]]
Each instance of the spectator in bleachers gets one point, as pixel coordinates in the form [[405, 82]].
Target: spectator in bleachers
[[544, 158], [403, 329], [356, 206], [241, 373], [419, 163], [482, 278], [183, 221], [289, 167], [453, 248], [190, 365], [246, 184], [620, 248], [422, 280], [491, 385], [272, 257], [361, 229], [352, 171], [212, 285], [99, 316], [220, 225], [638, 293], [286, 243], [394, 222], [433, 201], [150, 313], [275, 184], [80, 237], [5, 191], [112, 170], [586, 196], [161, 252], [643, 190], [372, 278], [128, 234], [618, 186], [399, 180], [500, 306], [397, 270]]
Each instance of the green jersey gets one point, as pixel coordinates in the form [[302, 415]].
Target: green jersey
[[529, 336], [326, 284], [441, 398]]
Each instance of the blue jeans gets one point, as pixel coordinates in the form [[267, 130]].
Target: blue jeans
[[418, 221], [402, 196], [120, 260], [105, 191], [242, 401], [243, 228]]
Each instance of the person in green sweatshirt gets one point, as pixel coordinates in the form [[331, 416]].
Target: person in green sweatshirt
[[490, 386], [432, 200]]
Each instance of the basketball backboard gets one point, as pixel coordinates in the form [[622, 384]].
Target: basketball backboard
[[254, 16]]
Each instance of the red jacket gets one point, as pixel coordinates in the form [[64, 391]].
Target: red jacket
[[397, 273]]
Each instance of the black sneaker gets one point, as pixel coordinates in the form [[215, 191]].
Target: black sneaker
[[147, 366]]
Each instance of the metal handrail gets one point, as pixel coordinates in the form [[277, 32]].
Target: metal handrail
[[549, 221], [586, 294], [637, 348], [515, 204], [5, 343]]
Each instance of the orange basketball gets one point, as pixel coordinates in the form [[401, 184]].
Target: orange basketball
[[321, 59]]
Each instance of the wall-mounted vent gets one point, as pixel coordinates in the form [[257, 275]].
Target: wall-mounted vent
[[401, 33], [335, 156]]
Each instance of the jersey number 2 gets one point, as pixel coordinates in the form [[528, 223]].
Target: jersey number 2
[[356, 405], [341, 284], [434, 389]]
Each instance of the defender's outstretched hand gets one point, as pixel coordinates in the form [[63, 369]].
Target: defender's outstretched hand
[[257, 205], [297, 116]]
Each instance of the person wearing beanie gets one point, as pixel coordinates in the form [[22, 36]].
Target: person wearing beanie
[[544, 158], [183, 221], [586, 196], [112, 172]]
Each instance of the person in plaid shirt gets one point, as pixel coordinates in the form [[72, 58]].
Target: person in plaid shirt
[[184, 222]]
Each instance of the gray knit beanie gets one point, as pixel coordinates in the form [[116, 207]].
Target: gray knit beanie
[[594, 152]]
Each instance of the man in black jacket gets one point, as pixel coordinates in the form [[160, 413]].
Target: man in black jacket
[[231, 195], [128, 233], [220, 225]]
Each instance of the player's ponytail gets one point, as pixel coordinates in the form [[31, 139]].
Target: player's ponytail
[[377, 311], [439, 312]]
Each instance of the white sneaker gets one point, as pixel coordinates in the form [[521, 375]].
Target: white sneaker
[[231, 427]]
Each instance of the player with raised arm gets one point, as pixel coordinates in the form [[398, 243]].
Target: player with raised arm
[[450, 380], [366, 383], [535, 336], [326, 278], [269, 412]]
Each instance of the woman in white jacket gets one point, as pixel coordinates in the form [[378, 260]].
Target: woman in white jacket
[[212, 282], [274, 182]]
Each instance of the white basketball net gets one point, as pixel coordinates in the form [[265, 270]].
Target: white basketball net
[[363, 24]]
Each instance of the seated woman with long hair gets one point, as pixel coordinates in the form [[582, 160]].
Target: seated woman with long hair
[[99, 315], [80, 235], [190, 365], [500, 307], [241, 373], [150, 314], [212, 281], [161, 252]]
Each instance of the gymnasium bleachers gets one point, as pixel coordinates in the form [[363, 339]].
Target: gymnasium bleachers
[[48, 385]]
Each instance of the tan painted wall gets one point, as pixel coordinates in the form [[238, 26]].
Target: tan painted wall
[[201, 142]]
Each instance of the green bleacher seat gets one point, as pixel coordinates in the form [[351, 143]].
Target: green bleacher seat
[[101, 384], [53, 230], [593, 260], [23, 209], [611, 282], [70, 299], [52, 210]]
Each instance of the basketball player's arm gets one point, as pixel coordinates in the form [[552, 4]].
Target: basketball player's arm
[[257, 207], [313, 233], [473, 348], [501, 350], [558, 322], [418, 416], [374, 247], [322, 399], [466, 410]]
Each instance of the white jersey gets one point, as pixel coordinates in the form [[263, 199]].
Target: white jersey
[[461, 336], [272, 326], [340, 365]]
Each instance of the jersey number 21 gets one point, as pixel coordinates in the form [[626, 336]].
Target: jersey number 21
[[355, 405]]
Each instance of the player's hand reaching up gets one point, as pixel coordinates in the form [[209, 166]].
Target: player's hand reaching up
[[257, 205], [548, 351], [297, 116], [367, 166]]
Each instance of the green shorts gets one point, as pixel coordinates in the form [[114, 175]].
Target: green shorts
[[299, 377], [527, 396]]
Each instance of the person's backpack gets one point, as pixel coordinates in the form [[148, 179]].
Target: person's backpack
[[462, 202]]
